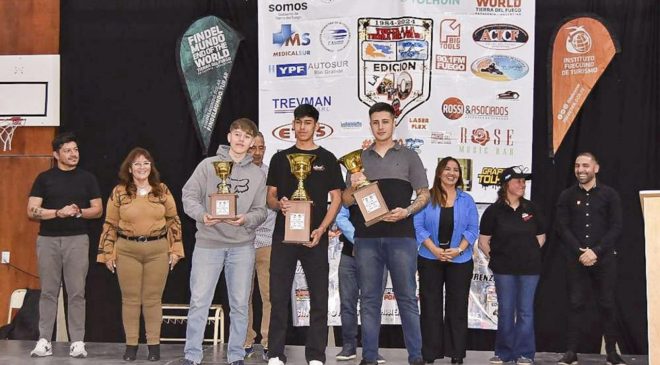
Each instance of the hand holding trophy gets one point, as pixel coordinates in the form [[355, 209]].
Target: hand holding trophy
[[297, 225], [367, 194], [223, 203]]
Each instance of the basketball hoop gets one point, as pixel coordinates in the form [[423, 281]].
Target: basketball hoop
[[7, 128]]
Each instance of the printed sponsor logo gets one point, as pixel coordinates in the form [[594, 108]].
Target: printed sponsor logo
[[419, 124], [433, 2], [508, 95], [499, 68], [450, 63], [450, 34], [288, 11], [440, 137], [351, 124], [315, 69], [286, 133], [394, 62], [289, 69], [493, 141], [453, 108], [578, 40], [498, 7], [287, 105], [490, 176], [291, 42], [414, 144], [500, 36], [335, 36]]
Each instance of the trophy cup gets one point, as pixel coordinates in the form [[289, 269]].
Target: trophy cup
[[223, 203], [367, 194], [298, 222]]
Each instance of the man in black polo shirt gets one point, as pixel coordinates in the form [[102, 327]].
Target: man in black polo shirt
[[325, 179], [390, 243], [62, 199], [590, 222]]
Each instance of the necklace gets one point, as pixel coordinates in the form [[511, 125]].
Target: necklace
[[143, 191]]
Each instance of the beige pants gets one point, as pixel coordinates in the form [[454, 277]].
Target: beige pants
[[262, 267], [142, 271]]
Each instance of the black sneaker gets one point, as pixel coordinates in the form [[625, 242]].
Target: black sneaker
[[569, 358], [613, 359], [365, 362]]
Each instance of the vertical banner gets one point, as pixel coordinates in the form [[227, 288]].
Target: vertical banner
[[581, 51], [205, 55]]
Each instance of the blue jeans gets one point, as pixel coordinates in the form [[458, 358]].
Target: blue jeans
[[515, 316], [399, 255], [349, 292], [207, 264]]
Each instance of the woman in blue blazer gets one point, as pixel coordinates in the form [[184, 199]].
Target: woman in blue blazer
[[446, 230]]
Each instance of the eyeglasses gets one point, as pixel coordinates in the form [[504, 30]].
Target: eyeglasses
[[519, 169]]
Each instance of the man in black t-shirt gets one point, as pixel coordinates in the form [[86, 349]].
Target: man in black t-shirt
[[590, 222], [61, 198], [325, 178]]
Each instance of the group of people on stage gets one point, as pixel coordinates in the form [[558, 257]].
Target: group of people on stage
[[433, 236]]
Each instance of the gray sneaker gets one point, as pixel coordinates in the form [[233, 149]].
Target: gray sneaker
[[524, 361], [495, 360], [380, 359]]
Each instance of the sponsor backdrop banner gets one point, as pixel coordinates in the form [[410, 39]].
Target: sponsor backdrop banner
[[205, 55], [459, 74], [581, 51]]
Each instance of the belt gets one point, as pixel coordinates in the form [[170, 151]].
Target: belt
[[142, 238]]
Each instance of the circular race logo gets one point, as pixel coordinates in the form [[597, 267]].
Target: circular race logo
[[335, 36]]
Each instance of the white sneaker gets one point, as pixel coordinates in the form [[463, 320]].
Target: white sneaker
[[43, 348], [78, 350], [275, 361], [315, 362]]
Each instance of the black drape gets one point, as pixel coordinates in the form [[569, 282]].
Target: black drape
[[120, 89]]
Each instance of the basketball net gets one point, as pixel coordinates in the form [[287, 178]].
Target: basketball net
[[7, 128]]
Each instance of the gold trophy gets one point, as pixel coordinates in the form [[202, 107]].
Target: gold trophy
[[298, 222], [367, 194], [223, 203]]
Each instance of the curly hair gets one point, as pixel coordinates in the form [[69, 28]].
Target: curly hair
[[126, 178]]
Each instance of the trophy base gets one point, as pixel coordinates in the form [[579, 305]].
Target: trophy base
[[298, 222], [222, 206], [371, 203]]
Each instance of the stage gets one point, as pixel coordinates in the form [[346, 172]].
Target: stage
[[18, 352]]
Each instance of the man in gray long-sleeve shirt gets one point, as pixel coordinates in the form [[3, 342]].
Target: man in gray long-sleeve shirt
[[222, 242]]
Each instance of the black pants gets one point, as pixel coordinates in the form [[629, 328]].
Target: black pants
[[443, 336], [282, 269], [601, 278]]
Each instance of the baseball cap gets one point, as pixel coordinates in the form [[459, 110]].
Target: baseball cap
[[514, 172]]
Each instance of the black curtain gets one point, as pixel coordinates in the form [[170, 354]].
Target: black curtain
[[120, 89]]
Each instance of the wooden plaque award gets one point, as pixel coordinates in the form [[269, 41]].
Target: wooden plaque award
[[223, 203], [298, 222], [367, 195]]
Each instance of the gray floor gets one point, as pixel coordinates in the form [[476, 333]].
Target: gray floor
[[17, 353]]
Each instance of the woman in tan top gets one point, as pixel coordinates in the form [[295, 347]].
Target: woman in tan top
[[142, 239]]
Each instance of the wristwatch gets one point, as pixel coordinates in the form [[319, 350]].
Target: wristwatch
[[460, 251]]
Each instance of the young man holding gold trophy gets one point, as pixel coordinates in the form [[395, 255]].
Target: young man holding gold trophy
[[299, 182], [386, 240], [226, 196]]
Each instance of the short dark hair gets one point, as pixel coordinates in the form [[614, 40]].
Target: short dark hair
[[381, 107], [62, 139], [588, 154], [306, 110]]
